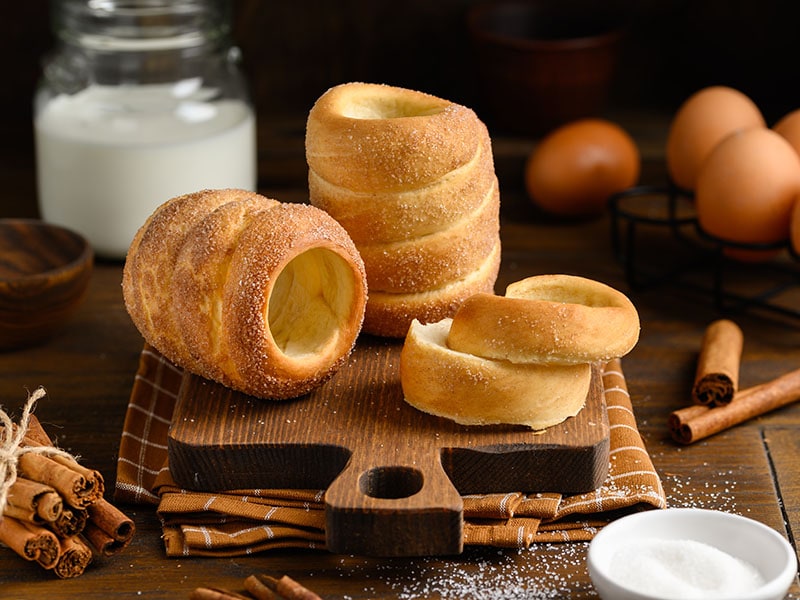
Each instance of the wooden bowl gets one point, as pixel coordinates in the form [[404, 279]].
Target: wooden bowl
[[44, 273], [541, 64]]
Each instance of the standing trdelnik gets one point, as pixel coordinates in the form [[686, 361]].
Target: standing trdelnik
[[411, 178]]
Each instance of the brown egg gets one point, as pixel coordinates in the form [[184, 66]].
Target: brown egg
[[702, 121], [574, 170], [789, 127], [747, 187]]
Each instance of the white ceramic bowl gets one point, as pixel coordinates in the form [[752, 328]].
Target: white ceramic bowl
[[740, 537]]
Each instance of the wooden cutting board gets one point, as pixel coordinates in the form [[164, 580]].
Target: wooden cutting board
[[393, 475]]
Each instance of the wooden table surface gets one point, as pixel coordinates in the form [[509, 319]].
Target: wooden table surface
[[752, 469]]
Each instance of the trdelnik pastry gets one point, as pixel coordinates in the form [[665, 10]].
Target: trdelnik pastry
[[411, 178], [261, 296], [525, 358]]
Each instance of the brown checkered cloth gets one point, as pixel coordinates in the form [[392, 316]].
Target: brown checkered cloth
[[239, 522]]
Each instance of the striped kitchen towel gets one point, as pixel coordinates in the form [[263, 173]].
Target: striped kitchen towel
[[238, 522]]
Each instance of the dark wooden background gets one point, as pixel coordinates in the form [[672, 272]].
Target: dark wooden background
[[295, 49]]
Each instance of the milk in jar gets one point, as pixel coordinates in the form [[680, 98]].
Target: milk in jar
[[103, 168], [140, 102]]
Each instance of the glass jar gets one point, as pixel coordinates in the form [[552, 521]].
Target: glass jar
[[141, 101]]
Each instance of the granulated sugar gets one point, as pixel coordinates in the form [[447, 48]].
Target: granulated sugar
[[683, 569], [543, 572], [715, 493]]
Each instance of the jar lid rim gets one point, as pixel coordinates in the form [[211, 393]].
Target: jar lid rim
[[141, 24]]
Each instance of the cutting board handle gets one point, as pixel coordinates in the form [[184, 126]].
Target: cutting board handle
[[380, 508]]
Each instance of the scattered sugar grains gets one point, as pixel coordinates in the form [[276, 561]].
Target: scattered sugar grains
[[682, 569], [716, 493], [543, 572]]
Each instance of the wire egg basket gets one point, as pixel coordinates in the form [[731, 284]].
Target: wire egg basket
[[658, 240]]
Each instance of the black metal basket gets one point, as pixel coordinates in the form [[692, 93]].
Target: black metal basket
[[657, 238]]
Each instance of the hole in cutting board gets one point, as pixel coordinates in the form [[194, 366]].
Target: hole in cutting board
[[390, 483]]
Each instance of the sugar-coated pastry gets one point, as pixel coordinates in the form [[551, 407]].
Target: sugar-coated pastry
[[264, 297], [560, 319], [411, 178], [472, 390], [376, 137], [392, 313], [525, 358]]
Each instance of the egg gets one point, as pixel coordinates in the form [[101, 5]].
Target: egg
[[747, 187], [701, 122], [574, 170], [789, 127]]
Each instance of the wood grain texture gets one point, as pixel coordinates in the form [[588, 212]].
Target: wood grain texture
[[393, 474], [44, 273], [783, 447]]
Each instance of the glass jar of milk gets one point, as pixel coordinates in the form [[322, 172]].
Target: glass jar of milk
[[141, 101]]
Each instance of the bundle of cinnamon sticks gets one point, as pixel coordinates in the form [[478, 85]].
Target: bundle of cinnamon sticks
[[55, 512], [717, 402]]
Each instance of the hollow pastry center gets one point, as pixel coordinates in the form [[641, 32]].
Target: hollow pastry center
[[384, 107], [311, 299], [565, 294]]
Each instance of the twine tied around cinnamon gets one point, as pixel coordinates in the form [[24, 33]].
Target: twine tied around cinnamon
[[12, 448]]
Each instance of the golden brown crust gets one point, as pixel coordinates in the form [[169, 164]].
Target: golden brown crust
[[390, 314], [432, 261], [380, 217], [411, 178], [370, 137], [297, 308], [472, 390], [267, 298], [151, 259], [555, 319], [201, 271]]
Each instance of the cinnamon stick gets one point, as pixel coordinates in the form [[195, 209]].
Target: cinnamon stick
[[78, 486], [678, 420], [746, 404], [111, 520], [717, 376], [35, 435], [97, 484], [81, 487], [31, 542], [75, 557], [259, 590], [109, 530], [19, 513], [204, 593], [72, 521], [40, 500], [285, 587]]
